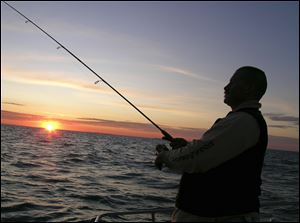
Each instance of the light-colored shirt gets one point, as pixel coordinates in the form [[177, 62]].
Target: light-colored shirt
[[225, 140]]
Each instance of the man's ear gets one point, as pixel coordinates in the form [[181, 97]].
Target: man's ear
[[250, 90]]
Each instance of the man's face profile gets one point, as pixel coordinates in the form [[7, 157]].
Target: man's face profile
[[235, 90]]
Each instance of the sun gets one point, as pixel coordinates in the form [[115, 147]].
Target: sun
[[50, 126]]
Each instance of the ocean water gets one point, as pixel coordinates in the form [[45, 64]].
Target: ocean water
[[74, 176]]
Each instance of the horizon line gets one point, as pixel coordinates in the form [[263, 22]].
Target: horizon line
[[130, 136]]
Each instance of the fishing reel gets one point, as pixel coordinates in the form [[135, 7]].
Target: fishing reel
[[175, 143]]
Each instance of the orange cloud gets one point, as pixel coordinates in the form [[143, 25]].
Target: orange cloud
[[101, 126], [129, 128]]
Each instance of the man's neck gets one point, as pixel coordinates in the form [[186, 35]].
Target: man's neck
[[247, 104]]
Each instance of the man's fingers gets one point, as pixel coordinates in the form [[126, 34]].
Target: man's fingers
[[159, 161], [178, 143]]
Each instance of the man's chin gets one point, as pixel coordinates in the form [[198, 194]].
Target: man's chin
[[225, 101]]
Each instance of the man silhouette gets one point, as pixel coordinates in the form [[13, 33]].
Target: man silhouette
[[221, 172]]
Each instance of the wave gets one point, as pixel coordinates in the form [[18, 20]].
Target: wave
[[24, 164], [77, 175]]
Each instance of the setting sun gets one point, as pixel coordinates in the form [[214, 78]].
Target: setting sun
[[50, 126]]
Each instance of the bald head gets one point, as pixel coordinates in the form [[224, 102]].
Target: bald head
[[255, 79], [247, 83]]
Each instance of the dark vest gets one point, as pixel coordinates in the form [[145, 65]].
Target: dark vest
[[231, 188]]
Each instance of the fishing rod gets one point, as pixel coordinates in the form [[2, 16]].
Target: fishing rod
[[167, 136]]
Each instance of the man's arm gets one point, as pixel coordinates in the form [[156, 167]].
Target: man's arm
[[224, 141]]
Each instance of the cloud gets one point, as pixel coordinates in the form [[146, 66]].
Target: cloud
[[119, 124], [190, 133], [16, 116], [135, 128], [12, 103], [294, 121], [102, 125], [52, 79], [64, 80], [45, 57], [185, 73], [281, 126]]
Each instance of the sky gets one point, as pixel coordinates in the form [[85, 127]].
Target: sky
[[170, 59]]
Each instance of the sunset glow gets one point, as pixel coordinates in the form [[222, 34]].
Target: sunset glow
[[173, 67], [50, 126]]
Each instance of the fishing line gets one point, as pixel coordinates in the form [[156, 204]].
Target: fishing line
[[167, 136]]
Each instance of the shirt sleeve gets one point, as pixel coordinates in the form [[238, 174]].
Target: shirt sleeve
[[223, 141]]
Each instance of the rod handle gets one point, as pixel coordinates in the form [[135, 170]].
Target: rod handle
[[167, 136]]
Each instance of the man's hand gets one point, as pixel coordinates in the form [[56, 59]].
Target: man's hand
[[178, 143], [161, 149]]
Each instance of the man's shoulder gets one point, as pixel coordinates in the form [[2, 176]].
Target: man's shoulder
[[240, 114], [239, 118]]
